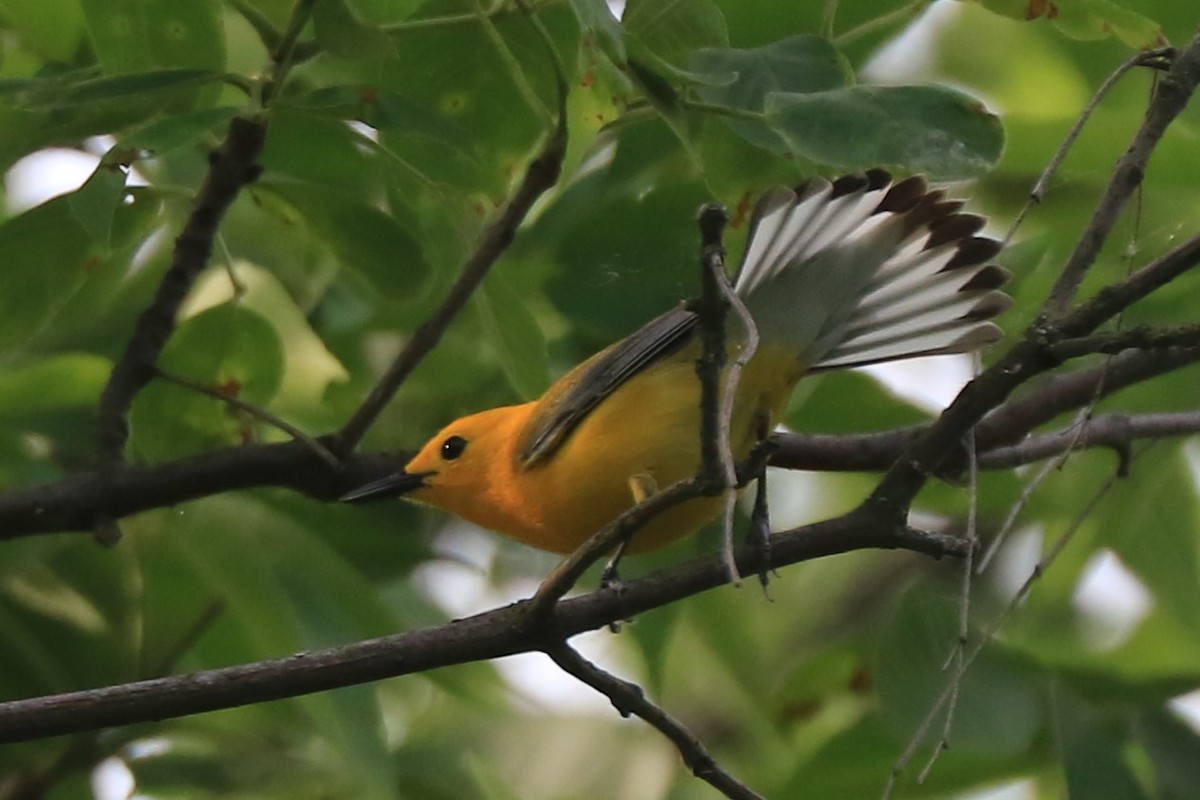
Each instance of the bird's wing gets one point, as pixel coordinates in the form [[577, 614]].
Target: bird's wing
[[861, 270], [561, 410]]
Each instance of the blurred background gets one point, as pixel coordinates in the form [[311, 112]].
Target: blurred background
[[403, 126]]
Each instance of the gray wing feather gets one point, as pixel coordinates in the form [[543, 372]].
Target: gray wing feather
[[600, 376]]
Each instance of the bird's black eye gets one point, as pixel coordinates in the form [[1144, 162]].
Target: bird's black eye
[[453, 447]]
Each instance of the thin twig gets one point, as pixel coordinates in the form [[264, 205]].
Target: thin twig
[[236, 284], [257, 412], [956, 662], [1027, 491], [1139, 338], [733, 378], [1116, 298], [567, 573], [901, 763], [1171, 97], [1053, 395], [629, 699], [1038, 192], [283, 55]]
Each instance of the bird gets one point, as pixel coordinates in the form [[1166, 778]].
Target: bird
[[835, 274]]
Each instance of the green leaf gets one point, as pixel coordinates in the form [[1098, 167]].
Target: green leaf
[[322, 152], [122, 86], [161, 136], [998, 710], [67, 380], [596, 19], [51, 27], [382, 12], [798, 64], [674, 29], [855, 763], [1086, 19], [1150, 525], [516, 335], [383, 110], [95, 203], [1093, 748], [342, 33], [228, 348], [69, 107], [139, 35], [366, 241], [1174, 750], [46, 259], [941, 132]]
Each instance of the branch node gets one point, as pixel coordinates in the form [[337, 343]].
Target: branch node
[[106, 532]]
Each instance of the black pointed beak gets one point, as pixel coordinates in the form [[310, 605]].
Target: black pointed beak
[[391, 486]]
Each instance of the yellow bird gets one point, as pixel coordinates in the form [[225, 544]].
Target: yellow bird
[[836, 274]]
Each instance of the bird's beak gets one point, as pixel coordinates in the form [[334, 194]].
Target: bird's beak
[[391, 486]]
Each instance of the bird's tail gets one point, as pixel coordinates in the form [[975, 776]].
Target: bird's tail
[[860, 270]]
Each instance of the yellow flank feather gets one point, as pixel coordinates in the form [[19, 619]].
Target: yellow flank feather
[[836, 274]]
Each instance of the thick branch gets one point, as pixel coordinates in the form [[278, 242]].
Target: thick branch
[[485, 636], [1058, 394], [1115, 431], [72, 503]]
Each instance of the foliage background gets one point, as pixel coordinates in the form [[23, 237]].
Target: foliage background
[[349, 239]]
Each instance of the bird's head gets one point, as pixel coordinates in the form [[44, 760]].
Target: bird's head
[[459, 469]]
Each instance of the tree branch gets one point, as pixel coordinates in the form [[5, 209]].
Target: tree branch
[[541, 174], [1115, 431], [894, 494], [1058, 394], [71, 504], [492, 634], [232, 166], [629, 699], [1173, 92]]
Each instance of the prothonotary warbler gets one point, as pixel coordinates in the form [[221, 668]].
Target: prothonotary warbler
[[836, 274]]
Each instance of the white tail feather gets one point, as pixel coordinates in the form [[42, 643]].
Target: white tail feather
[[860, 271]]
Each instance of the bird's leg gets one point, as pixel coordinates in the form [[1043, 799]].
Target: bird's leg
[[611, 576], [758, 535], [641, 486]]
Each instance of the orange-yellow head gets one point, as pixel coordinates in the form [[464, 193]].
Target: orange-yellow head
[[467, 469]]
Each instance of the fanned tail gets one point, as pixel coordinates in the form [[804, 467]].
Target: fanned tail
[[860, 270]]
